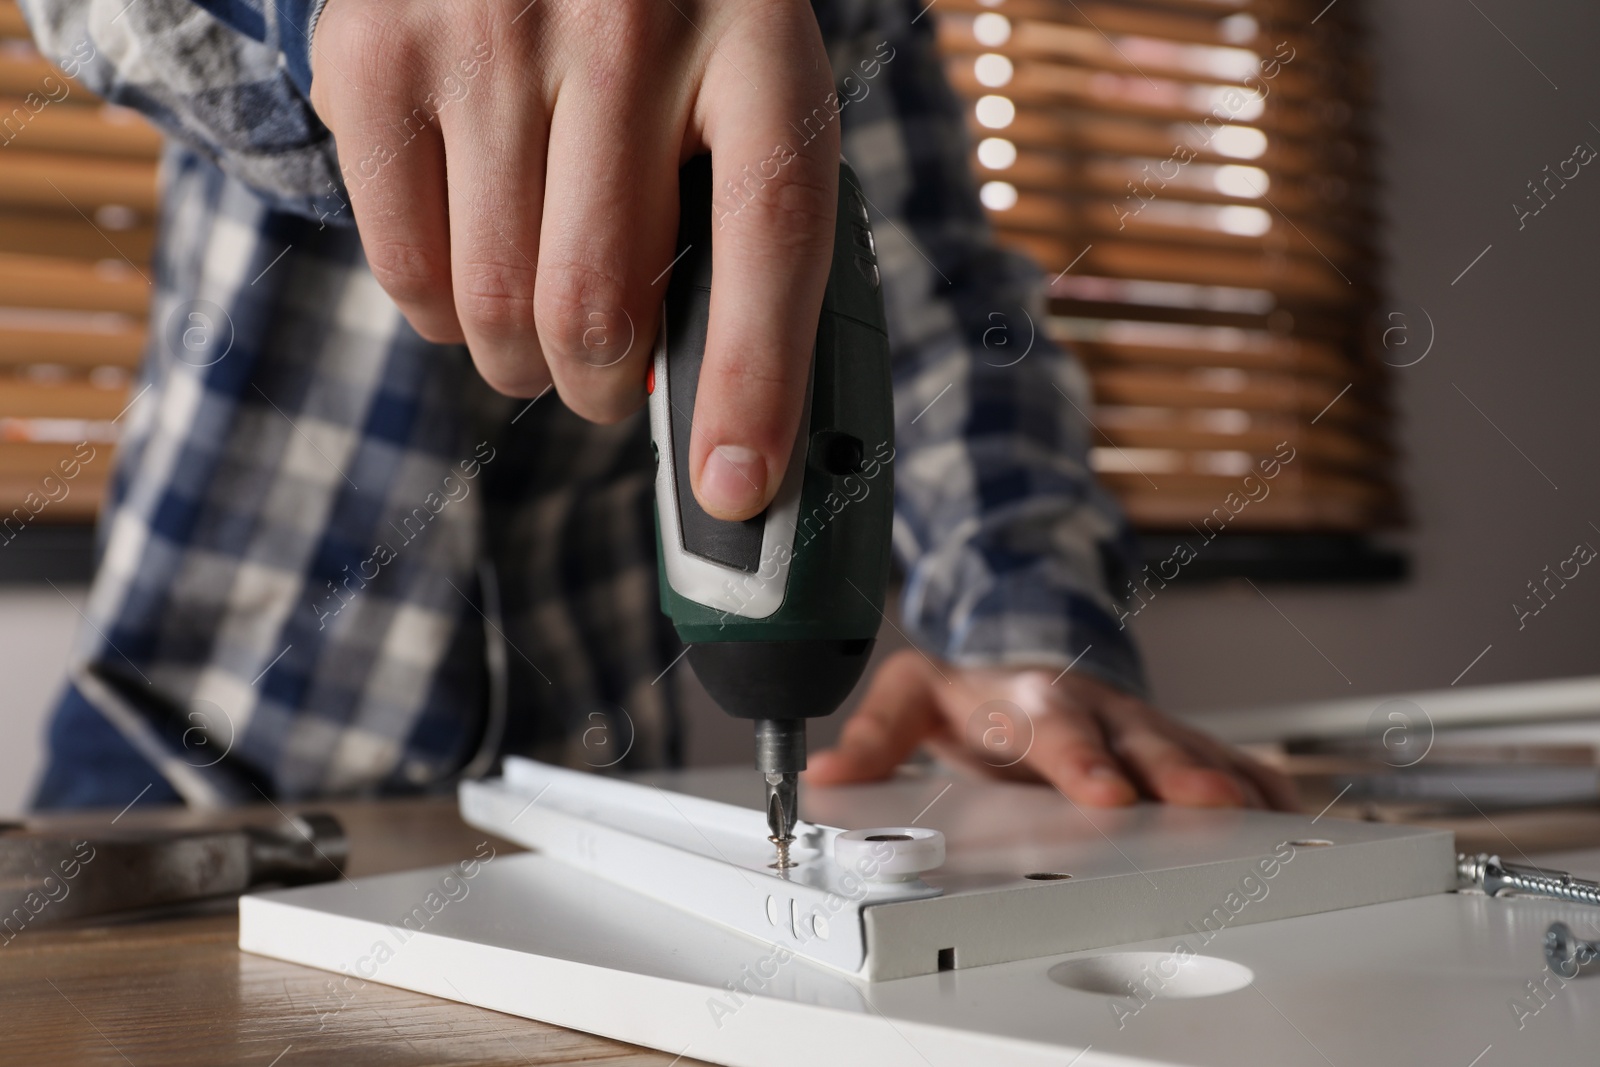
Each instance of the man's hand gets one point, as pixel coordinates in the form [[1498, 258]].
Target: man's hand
[[512, 166], [1094, 743]]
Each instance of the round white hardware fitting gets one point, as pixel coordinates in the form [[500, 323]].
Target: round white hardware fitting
[[887, 854]]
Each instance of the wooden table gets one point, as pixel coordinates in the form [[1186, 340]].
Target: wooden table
[[178, 990]]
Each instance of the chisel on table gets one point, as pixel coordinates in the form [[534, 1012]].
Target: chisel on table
[[49, 876]]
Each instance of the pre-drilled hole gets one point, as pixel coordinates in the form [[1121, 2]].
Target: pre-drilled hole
[[889, 837], [1047, 876]]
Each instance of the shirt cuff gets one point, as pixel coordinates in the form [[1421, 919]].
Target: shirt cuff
[[297, 24], [1021, 621]]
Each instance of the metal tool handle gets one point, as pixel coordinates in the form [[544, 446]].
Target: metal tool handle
[[48, 877], [313, 848]]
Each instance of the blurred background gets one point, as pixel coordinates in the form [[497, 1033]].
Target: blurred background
[[1364, 231]]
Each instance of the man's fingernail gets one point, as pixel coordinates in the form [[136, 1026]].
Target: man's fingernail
[[734, 479]]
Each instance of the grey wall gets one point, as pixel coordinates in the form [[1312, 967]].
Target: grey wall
[[1466, 120], [37, 626]]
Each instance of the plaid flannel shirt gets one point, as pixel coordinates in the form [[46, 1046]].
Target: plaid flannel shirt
[[334, 562]]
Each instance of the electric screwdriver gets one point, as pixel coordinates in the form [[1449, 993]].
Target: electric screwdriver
[[780, 611]]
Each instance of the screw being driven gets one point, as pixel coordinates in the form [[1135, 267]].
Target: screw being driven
[[1487, 873], [780, 757], [782, 845]]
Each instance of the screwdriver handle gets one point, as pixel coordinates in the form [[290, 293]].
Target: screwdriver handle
[[794, 596]]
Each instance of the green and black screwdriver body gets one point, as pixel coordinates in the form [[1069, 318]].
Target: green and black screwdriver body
[[780, 612]]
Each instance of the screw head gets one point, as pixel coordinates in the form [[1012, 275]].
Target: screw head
[[1568, 954]]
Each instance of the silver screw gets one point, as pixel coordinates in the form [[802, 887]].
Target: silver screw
[[1487, 873], [1568, 954]]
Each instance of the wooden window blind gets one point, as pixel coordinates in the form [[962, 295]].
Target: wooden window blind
[[1195, 177], [77, 216], [1193, 174]]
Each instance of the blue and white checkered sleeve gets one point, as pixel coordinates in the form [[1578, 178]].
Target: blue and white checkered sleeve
[[229, 78], [1013, 551]]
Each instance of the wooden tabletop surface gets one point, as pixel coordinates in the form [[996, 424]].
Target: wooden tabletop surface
[[178, 991]]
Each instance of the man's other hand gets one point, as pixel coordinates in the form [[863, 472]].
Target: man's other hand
[[1096, 744]]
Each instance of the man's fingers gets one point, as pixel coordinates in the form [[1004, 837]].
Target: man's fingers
[[392, 155], [610, 214], [1274, 789], [897, 713], [1172, 772], [1267, 788], [774, 139], [496, 155], [1278, 789], [1069, 751]]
